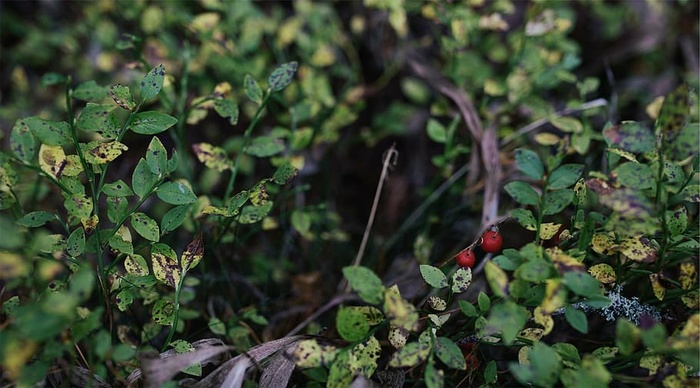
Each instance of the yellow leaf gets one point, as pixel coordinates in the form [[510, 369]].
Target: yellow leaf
[[323, 56], [603, 273], [213, 157], [544, 320], [547, 139], [689, 276], [554, 297], [691, 300], [13, 266], [311, 354], [563, 262], [656, 286], [497, 279], [52, 160], [532, 333], [101, 153], [627, 155], [400, 312], [398, 337], [603, 242], [18, 353], [549, 230]]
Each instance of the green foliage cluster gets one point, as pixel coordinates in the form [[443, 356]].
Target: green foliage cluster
[[185, 152]]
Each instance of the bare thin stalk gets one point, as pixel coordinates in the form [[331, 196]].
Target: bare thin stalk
[[389, 160]]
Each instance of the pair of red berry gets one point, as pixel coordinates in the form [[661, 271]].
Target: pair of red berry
[[491, 242]]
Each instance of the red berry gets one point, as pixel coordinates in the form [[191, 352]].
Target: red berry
[[491, 241], [465, 258]]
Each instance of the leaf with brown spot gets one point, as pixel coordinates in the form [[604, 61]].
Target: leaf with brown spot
[[656, 286], [165, 266], [193, 254], [638, 248]]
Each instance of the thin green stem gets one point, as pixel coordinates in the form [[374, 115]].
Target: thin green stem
[[176, 314], [246, 139]]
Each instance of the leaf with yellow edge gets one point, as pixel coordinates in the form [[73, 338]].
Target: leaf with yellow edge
[[544, 320], [497, 279], [554, 297], [563, 262], [52, 160], [638, 248], [212, 156], [656, 286], [689, 276], [603, 242], [100, 153], [603, 273], [400, 312], [165, 266], [410, 355], [549, 230], [625, 154], [73, 166], [311, 354]]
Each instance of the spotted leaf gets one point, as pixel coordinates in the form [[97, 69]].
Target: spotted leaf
[[165, 265]]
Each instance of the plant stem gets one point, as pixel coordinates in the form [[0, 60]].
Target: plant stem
[[246, 139]]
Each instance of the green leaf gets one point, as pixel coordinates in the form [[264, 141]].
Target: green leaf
[[543, 369], [631, 137], [351, 324], [118, 243], [176, 193], [567, 124], [117, 208], [557, 201], [449, 353], [251, 214], [534, 270], [367, 285], [193, 254], [228, 109], [684, 144], [165, 265], [117, 189], [673, 114], [90, 91], [145, 226], [152, 83], [124, 299], [467, 308], [265, 146], [626, 336], [506, 318], [410, 355], [364, 356], [525, 218], [564, 176], [79, 206], [173, 218], [76, 242], [151, 122], [529, 163], [22, 142], [157, 157], [99, 119], [436, 131], [282, 76], [252, 89], [217, 326], [654, 337], [522, 193], [284, 174], [433, 276], [163, 312], [582, 283], [635, 175], [48, 132], [677, 220], [484, 302], [36, 219], [461, 280], [490, 372], [236, 202], [142, 179], [310, 353], [340, 374], [51, 79], [577, 319], [122, 96]]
